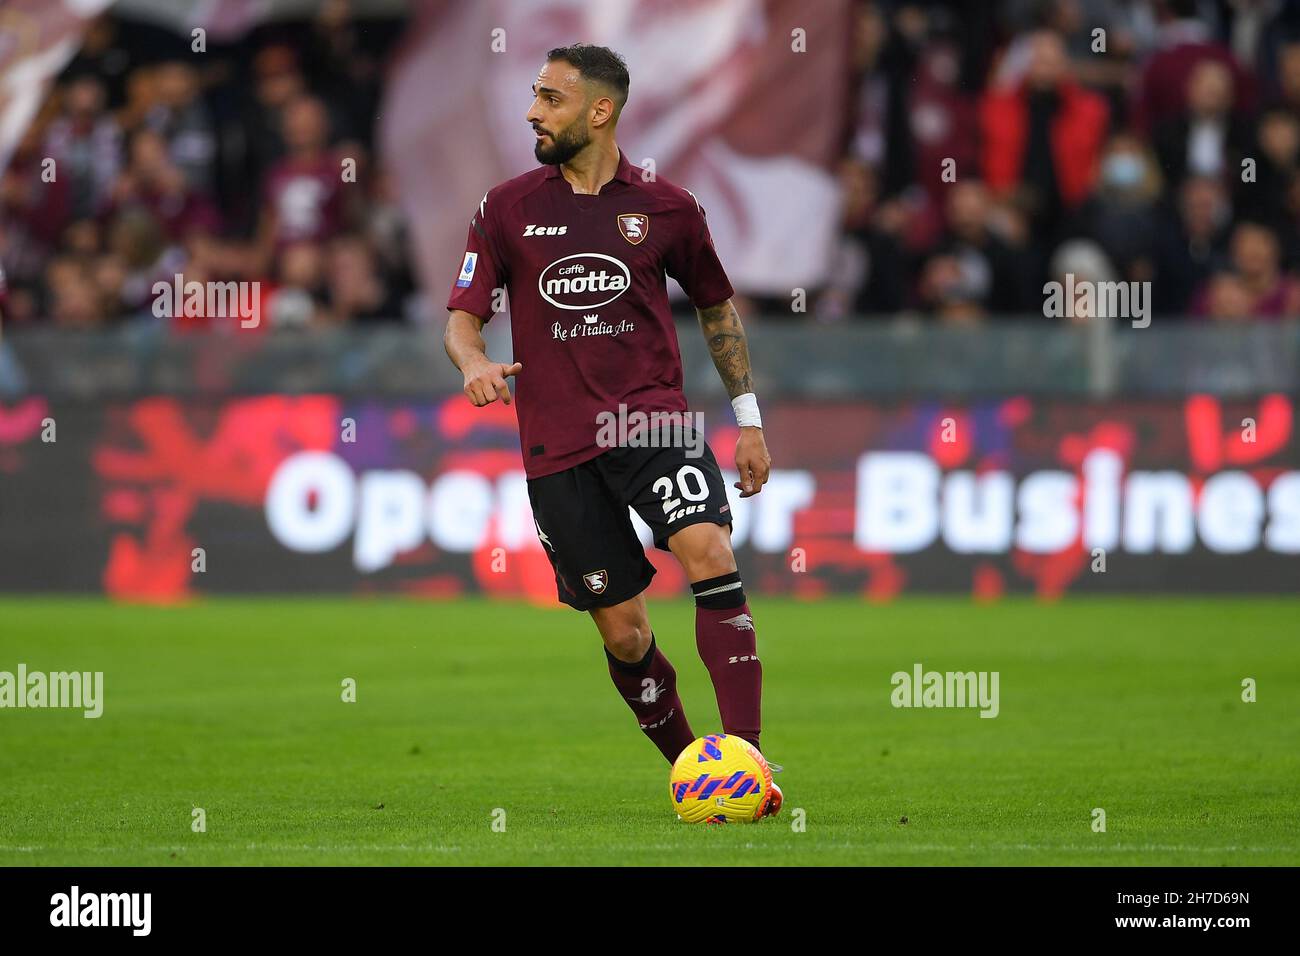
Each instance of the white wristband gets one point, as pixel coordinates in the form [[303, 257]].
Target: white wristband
[[746, 409]]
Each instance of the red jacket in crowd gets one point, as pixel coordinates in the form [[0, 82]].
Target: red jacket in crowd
[[1078, 133]]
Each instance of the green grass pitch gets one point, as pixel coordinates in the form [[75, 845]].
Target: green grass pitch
[[464, 707]]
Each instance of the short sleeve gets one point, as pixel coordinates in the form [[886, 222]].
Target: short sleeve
[[694, 263], [481, 272]]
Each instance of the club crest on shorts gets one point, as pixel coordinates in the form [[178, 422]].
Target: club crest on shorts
[[634, 226], [596, 581]]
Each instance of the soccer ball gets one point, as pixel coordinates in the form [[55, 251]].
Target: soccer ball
[[720, 778]]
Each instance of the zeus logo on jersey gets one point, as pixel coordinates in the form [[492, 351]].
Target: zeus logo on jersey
[[585, 280], [532, 230], [467, 270]]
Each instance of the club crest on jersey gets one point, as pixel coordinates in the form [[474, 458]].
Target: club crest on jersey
[[596, 581], [634, 226]]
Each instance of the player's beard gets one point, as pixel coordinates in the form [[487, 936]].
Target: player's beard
[[564, 145]]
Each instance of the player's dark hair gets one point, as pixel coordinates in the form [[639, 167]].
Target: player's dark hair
[[598, 63]]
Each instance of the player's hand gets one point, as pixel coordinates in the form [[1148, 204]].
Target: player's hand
[[486, 382], [752, 461]]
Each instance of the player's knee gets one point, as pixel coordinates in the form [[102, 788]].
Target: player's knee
[[628, 643], [713, 559], [625, 629], [704, 551]]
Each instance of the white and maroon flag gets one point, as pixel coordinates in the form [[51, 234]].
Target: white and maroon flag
[[37, 39], [739, 101]]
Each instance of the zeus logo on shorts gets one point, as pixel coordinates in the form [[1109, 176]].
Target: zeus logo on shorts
[[467, 270], [683, 512]]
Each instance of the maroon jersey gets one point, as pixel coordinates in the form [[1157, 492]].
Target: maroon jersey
[[307, 198], [588, 302]]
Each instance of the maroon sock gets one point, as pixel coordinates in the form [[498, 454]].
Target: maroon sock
[[650, 688], [724, 634]]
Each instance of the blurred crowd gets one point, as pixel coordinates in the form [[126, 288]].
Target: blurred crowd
[[154, 150], [990, 148], [1111, 140]]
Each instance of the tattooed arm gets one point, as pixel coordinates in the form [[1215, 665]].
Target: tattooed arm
[[727, 345], [726, 339]]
